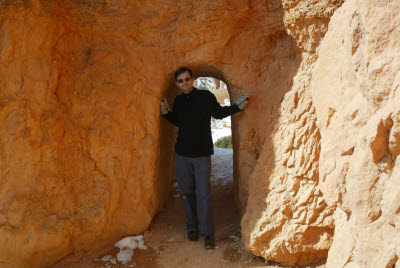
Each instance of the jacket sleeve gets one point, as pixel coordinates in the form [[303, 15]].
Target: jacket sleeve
[[218, 111], [171, 116]]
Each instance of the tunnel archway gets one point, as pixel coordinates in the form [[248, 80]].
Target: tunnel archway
[[220, 128], [227, 216], [168, 133]]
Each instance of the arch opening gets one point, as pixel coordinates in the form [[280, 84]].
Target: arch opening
[[222, 174], [219, 127]]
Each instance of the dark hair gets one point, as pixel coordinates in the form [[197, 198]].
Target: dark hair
[[181, 71]]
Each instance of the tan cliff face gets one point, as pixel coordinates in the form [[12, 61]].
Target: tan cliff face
[[355, 88], [86, 157]]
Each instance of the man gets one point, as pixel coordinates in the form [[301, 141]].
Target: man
[[191, 113]]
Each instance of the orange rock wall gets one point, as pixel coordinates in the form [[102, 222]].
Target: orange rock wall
[[356, 91], [287, 219], [86, 157]]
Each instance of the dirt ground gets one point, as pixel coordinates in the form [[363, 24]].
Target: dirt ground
[[166, 237]]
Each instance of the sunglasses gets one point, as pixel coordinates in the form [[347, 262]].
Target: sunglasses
[[187, 79]]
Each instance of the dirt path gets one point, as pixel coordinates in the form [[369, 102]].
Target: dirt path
[[166, 237]]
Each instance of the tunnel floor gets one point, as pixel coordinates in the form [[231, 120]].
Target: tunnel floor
[[166, 237]]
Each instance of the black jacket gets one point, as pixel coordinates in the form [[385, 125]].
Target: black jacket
[[192, 113]]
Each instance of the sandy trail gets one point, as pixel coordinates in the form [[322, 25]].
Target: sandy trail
[[166, 237]]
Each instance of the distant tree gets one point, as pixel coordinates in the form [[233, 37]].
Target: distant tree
[[224, 142]]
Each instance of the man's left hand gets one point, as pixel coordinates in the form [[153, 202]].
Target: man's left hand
[[242, 101]]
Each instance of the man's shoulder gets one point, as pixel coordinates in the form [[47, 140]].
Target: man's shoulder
[[179, 97], [205, 92]]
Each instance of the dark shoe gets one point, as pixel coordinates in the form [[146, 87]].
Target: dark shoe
[[193, 235], [209, 241]]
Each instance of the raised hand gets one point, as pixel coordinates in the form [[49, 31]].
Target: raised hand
[[242, 101], [164, 107]]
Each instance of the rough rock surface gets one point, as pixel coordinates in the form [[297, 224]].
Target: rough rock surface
[[86, 156], [356, 92], [87, 159], [287, 219], [354, 80], [307, 21]]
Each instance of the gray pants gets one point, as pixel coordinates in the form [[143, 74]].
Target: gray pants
[[193, 177]]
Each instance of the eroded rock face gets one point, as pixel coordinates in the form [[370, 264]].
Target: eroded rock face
[[307, 21], [354, 80], [356, 92], [86, 157], [287, 219]]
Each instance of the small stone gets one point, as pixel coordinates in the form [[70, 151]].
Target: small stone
[[106, 258]]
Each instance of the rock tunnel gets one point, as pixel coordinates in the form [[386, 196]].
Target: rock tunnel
[[86, 157], [168, 133]]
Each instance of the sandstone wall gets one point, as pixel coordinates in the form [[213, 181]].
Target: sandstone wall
[[349, 82], [86, 157], [287, 219], [356, 91]]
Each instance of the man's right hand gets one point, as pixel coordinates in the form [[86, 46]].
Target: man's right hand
[[164, 106]]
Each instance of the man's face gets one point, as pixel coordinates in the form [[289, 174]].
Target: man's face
[[185, 82]]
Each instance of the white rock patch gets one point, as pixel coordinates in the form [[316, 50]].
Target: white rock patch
[[127, 245]]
